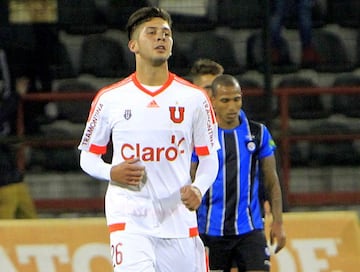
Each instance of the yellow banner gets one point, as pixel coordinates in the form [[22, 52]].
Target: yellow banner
[[316, 242], [34, 11], [54, 245], [320, 242]]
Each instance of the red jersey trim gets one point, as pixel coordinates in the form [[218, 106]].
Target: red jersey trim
[[162, 88], [193, 232], [116, 227], [104, 90], [121, 226], [202, 151], [97, 149]]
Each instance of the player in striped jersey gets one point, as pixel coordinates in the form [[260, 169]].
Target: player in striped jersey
[[155, 120], [230, 217]]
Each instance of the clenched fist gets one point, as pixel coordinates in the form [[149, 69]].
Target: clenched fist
[[191, 197], [130, 172]]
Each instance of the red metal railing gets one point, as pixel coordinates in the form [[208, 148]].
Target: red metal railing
[[285, 138]]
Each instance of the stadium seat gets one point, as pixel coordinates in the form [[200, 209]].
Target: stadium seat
[[69, 125], [345, 13], [303, 107], [332, 152], [63, 66], [358, 48], [319, 16], [63, 158], [334, 57], [80, 17], [299, 154], [103, 57], [191, 16], [4, 13], [216, 47], [179, 62], [74, 111], [240, 14], [346, 104], [254, 106], [117, 12], [255, 55]]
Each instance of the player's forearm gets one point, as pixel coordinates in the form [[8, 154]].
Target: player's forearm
[[276, 203], [272, 186], [206, 172], [94, 165]]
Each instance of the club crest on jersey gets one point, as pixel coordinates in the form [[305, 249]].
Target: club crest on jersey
[[177, 114], [127, 114], [250, 143], [251, 146]]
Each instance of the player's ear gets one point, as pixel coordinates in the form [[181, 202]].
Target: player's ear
[[133, 46]]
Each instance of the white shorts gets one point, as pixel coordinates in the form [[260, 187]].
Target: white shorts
[[135, 253]]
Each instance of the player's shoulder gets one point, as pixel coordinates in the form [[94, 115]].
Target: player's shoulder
[[258, 127], [255, 123], [114, 88], [193, 92], [187, 84]]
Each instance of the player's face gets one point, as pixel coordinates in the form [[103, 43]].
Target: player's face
[[153, 41], [227, 104], [205, 81]]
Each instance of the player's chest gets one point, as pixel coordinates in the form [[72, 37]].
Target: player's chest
[[151, 113]]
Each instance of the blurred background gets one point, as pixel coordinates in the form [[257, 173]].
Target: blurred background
[[61, 52]]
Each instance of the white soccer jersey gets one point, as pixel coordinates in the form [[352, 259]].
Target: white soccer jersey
[[162, 128]]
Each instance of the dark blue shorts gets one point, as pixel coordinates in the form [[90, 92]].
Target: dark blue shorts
[[247, 252]]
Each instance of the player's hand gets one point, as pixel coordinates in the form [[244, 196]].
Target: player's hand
[[191, 197], [130, 172], [277, 233]]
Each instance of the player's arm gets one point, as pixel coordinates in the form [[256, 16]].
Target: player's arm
[[273, 189], [206, 172], [205, 175], [128, 172], [94, 165], [206, 145], [194, 165], [193, 168]]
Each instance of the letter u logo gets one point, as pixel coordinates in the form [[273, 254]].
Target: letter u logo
[[179, 117]]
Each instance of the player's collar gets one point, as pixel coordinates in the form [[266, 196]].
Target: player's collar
[[149, 92]]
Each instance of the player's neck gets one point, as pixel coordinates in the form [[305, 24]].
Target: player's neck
[[151, 75], [227, 124]]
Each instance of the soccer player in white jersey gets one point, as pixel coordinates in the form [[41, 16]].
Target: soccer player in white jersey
[[155, 120]]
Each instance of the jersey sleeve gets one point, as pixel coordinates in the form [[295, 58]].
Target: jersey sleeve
[[268, 145], [205, 129], [97, 132]]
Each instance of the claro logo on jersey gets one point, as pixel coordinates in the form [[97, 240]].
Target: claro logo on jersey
[[92, 124], [151, 153]]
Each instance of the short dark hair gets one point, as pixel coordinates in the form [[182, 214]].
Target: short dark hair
[[223, 80], [143, 15], [205, 67]]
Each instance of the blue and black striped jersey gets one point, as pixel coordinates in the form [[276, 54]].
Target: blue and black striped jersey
[[232, 206]]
